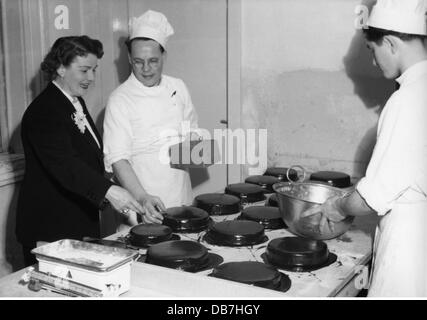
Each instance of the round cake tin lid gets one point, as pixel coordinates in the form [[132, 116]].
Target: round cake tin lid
[[186, 213], [218, 199], [260, 213], [237, 227], [150, 230], [244, 188]]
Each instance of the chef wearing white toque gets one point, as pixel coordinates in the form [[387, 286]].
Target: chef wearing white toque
[[140, 116], [395, 184]]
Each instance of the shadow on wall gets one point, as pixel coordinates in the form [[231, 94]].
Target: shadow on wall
[[372, 88]]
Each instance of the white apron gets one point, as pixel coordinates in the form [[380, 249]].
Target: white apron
[[173, 186], [399, 267]]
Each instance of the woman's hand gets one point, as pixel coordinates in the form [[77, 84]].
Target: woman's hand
[[330, 211], [153, 208], [122, 200]]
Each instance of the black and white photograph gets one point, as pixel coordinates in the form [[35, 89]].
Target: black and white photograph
[[213, 155]]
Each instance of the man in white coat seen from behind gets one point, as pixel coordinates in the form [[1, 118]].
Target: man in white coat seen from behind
[[395, 184], [145, 114]]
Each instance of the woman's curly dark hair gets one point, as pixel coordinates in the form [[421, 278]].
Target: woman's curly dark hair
[[66, 49]]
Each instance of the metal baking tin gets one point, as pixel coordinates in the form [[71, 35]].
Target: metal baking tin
[[298, 254], [265, 182], [236, 233], [144, 235], [332, 178], [218, 203], [281, 173], [186, 219], [269, 217], [247, 192], [84, 255]]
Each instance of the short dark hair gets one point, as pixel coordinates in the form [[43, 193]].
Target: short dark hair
[[66, 49], [376, 35], [129, 43]]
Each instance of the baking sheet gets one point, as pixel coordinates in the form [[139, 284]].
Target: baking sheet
[[85, 255]]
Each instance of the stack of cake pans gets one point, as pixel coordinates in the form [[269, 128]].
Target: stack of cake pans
[[332, 178], [298, 254], [269, 217], [144, 235], [183, 255], [265, 182], [247, 192], [218, 203], [280, 173], [235, 233], [186, 219], [253, 273]]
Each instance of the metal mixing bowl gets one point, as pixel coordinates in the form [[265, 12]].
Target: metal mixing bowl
[[296, 197]]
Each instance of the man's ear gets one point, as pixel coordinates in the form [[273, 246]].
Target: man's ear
[[392, 42]]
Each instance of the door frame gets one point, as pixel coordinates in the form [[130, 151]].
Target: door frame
[[234, 66]]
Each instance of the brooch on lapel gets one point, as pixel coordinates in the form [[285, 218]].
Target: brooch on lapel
[[79, 119]]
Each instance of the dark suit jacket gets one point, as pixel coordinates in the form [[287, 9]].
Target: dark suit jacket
[[64, 182]]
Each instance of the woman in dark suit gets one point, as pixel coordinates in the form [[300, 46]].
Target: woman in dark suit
[[64, 184]]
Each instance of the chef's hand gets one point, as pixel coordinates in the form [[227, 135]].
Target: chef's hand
[[153, 208], [330, 211], [122, 200]]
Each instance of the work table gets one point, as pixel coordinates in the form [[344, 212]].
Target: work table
[[346, 277]]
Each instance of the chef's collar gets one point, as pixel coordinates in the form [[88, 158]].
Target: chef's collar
[[413, 73], [73, 100]]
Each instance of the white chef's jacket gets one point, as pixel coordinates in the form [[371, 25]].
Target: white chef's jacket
[[395, 186], [139, 126]]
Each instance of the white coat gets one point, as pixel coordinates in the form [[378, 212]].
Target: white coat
[[140, 123], [395, 186]]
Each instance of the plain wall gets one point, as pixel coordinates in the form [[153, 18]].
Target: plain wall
[[308, 78]]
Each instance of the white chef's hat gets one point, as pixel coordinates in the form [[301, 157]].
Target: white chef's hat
[[405, 16], [151, 24]]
